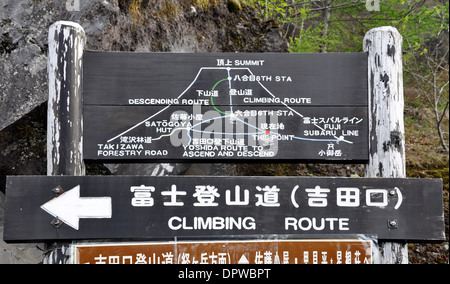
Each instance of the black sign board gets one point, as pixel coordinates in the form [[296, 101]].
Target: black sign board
[[149, 208], [225, 106]]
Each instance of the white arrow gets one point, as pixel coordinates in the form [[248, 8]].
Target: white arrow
[[69, 207]]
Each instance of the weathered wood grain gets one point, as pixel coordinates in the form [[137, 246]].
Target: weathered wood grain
[[386, 121]]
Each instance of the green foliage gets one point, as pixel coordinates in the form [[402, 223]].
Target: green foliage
[[269, 9], [309, 28], [340, 25], [349, 20]]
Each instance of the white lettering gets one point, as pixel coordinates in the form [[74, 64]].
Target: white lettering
[[212, 223], [152, 101], [249, 62], [316, 224]]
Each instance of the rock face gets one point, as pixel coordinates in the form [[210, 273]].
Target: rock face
[[117, 25], [23, 50]]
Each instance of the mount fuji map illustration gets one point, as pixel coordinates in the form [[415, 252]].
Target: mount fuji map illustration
[[225, 106]]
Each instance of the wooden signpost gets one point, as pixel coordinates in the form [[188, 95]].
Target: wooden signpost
[[225, 106]]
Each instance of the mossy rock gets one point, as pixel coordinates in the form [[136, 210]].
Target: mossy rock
[[234, 6]]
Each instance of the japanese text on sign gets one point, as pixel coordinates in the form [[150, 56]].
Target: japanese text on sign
[[346, 251], [267, 196], [262, 196]]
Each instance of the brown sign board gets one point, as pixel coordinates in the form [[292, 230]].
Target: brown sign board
[[307, 251]]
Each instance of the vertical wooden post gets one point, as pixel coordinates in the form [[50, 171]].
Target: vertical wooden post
[[65, 121], [66, 43], [386, 124]]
